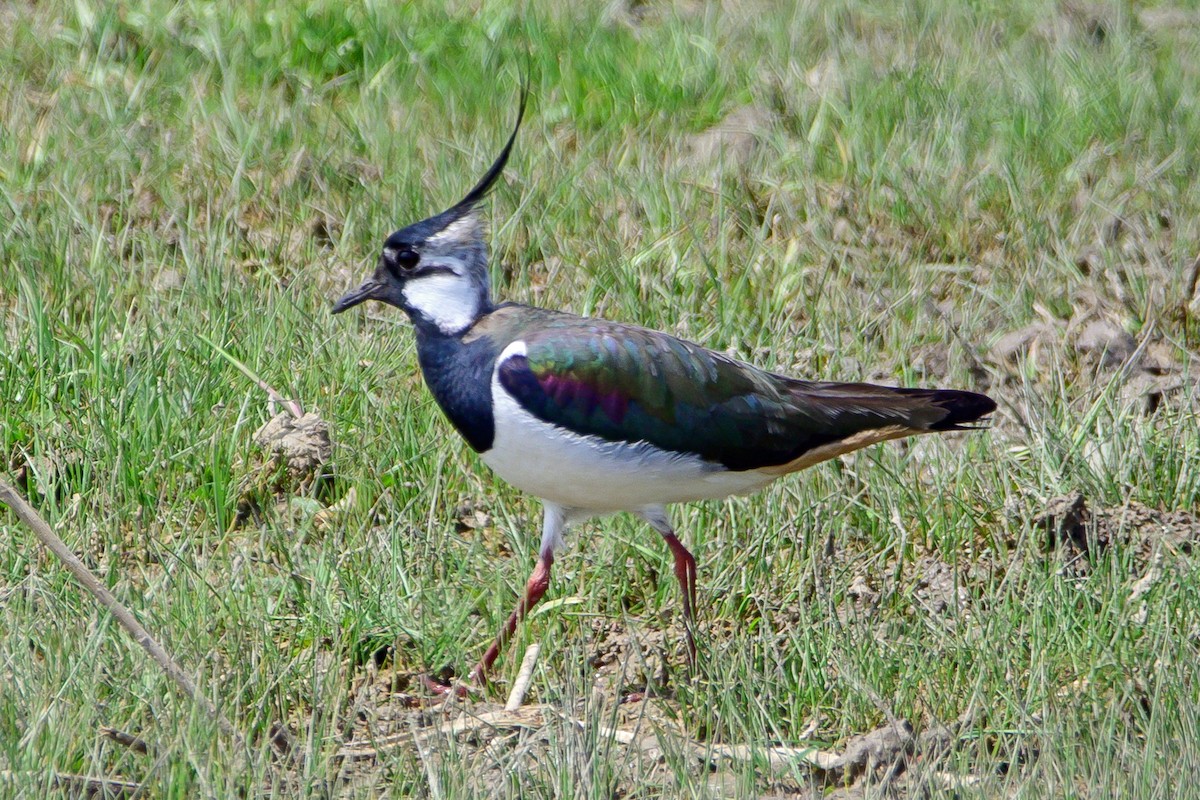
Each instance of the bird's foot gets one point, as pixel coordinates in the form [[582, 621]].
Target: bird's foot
[[456, 689]]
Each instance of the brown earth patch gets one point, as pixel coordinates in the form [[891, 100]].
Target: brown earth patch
[[1078, 535], [537, 741]]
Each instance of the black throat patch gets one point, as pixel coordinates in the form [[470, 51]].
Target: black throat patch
[[459, 375]]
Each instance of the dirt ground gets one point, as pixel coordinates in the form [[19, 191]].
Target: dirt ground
[[394, 716]]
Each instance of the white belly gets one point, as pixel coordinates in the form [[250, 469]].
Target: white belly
[[568, 469]]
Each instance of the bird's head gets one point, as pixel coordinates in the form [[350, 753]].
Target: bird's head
[[436, 270]]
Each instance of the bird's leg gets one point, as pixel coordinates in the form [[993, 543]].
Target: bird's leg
[[535, 588], [553, 521], [685, 572]]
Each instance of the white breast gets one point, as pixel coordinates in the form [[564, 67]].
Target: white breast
[[574, 471]]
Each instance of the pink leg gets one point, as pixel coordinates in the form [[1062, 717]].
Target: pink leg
[[685, 570], [685, 573], [535, 588], [554, 520]]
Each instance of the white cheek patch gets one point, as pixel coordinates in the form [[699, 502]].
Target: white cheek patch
[[447, 300]]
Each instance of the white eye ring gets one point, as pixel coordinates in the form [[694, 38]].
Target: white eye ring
[[407, 259], [401, 259]]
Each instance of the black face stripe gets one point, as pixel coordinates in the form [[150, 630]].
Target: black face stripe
[[437, 265]]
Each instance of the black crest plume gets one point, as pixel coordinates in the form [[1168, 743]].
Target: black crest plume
[[462, 207]]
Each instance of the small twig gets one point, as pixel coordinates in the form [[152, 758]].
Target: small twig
[[10, 498], [778, 757], [431, 776], [1193, 280], [134, 743], [886, 746], [955, 783], [521, 685], [527, 717], [293, 407], [85, 785]]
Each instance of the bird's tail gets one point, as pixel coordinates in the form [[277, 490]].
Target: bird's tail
[[851, 416], [964, 411]]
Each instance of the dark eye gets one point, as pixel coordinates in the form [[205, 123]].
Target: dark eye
[[404, 260]]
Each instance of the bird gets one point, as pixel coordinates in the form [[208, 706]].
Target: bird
[[595, 417]]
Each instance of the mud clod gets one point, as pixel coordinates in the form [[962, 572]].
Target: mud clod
[[1105, 343], [1065, 521], [291, 459], [1080, 535]]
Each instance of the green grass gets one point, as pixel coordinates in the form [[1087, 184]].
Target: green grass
[[936, 175]]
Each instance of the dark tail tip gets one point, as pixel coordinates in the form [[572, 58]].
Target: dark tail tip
[[962, 408]]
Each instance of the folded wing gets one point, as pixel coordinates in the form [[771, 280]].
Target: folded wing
[[626, 384]]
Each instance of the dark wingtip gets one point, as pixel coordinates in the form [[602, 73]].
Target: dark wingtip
[[485, 183], [962, 409]]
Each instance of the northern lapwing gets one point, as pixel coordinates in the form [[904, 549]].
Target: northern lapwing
[[595, 417]]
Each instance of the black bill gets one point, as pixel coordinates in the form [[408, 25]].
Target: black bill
[[354, 297]]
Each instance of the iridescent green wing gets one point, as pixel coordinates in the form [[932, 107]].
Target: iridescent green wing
[[627, 384]]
